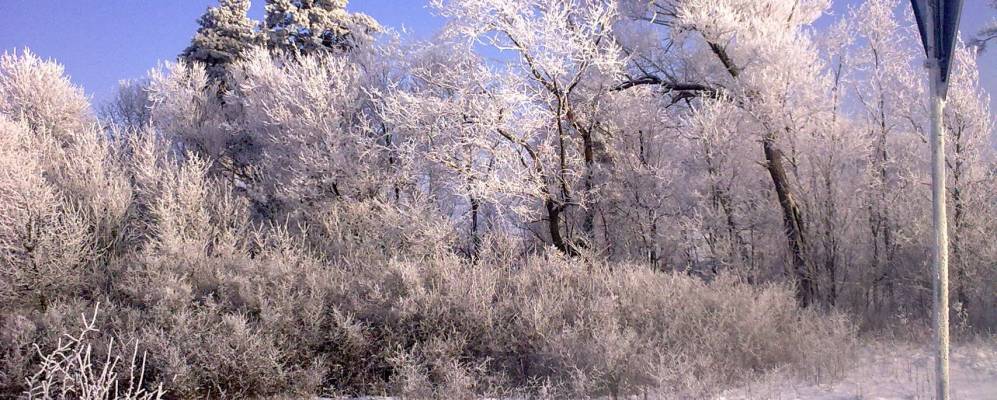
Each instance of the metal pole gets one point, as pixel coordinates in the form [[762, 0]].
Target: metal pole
[[940, 248]]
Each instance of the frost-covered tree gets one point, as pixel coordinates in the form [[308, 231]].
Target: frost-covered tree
[[453, 142], [225, 32], [185, 108], [64, 195], [884, 81], [566, 60], [300, 112], [129, 108], [969, 127], [759, 53], [309, 26]]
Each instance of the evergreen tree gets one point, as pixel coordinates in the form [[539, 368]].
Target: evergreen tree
[[307, 26], [226, 31]]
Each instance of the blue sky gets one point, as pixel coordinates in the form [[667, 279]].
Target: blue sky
[[103, 41]]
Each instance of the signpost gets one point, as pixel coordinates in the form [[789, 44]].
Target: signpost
[[938, 23]]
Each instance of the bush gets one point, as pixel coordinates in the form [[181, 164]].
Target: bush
[[274, 319], [71, 371], [229, 310]]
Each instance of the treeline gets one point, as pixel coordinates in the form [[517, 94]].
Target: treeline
[[658, 133], [621, 198]]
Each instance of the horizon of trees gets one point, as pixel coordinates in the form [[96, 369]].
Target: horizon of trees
[[669, 195], [692, 135]]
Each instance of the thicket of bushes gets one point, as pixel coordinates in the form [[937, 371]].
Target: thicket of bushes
[[283, 323], [362, 297]]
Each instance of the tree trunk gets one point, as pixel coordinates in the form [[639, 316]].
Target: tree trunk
[[806, 288], [475, 236], [830, 241], [881, 224], [554, 228], [958, 222], [588, 223]]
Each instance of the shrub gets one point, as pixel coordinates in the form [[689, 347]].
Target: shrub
[[275, 318], [71, 371], [37, 91], [43, 238]]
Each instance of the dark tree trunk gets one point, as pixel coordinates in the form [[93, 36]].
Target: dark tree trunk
[[958, 222], [554, 228], [830, 241], [957, 253], [475, 235], [806, 287], [588, 224], [723, 202]]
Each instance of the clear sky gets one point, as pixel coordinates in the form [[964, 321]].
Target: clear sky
[[103, 41]]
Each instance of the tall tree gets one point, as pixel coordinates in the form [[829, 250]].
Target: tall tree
[[565, 63], [307, 26], [226, 32], [760, 53], [448, 120], [890, 90], [969, 128]]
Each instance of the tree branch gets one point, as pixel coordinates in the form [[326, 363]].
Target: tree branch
[[671, 86]]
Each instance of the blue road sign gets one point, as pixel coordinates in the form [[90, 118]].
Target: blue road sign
[[938, 23]]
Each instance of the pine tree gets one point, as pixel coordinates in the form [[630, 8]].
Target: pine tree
[[307, 26], [226, 31]]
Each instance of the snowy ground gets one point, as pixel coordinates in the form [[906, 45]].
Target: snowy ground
[[890, 372], [881, 372]]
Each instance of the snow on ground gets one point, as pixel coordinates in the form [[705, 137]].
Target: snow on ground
[[886, 372]]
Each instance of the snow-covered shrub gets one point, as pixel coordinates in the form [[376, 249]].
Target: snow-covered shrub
[[300, 114], [184, 107], [17, 356], [277, 317], [37, 92], [196, 215], [206, 321], [598, 329], [44, 240], [66, 193], [72, 370], [585, 328], [374, 230]]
